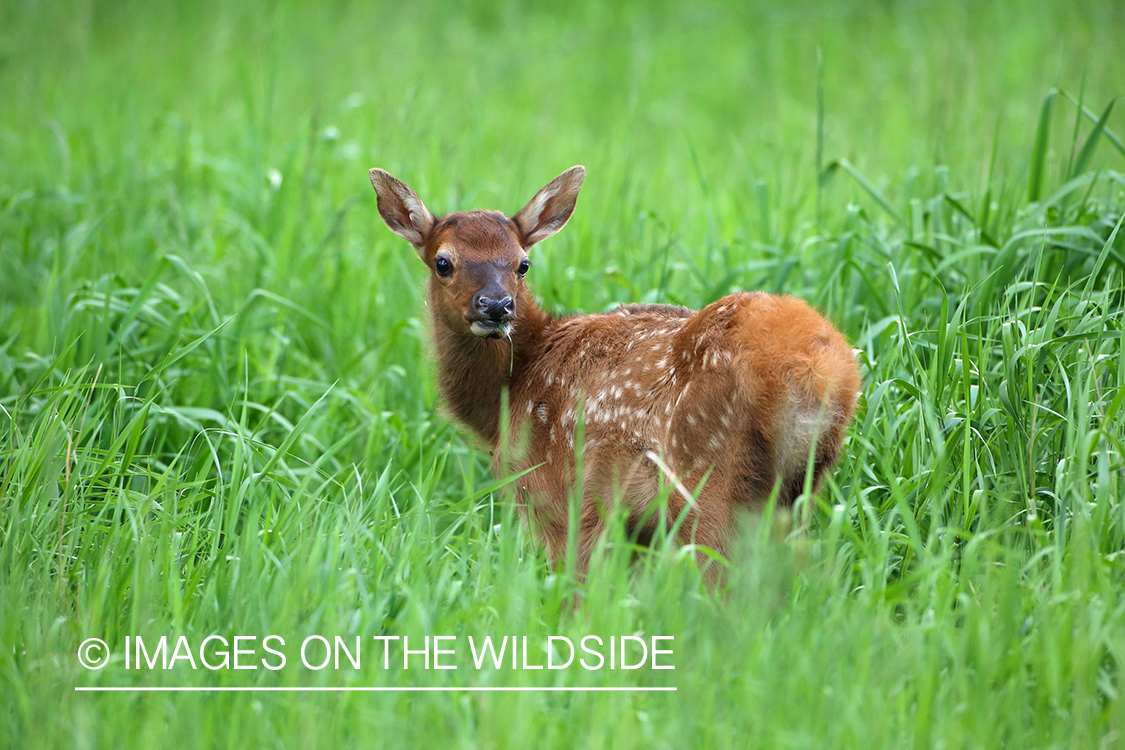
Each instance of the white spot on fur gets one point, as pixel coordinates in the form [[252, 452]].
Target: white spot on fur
[[541, 413]]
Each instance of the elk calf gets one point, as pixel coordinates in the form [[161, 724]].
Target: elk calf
[[736, 396]]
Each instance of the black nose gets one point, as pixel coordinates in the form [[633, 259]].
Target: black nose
[[496, 309]]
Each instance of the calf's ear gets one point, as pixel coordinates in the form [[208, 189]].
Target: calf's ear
[[549, 210], [402, 209]]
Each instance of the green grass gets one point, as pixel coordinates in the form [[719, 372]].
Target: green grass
[[218, 416]]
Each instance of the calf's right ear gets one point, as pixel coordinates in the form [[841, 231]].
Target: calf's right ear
[[551, 207], [402, 209]]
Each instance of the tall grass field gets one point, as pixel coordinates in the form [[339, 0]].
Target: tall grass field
[[219, 421]]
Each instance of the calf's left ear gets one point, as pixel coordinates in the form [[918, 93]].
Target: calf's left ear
[[551, 207], [402, 209]]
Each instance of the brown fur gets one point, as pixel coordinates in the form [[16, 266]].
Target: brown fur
[[730, 399]]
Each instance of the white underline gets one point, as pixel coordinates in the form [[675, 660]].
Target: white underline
[[365, 689]]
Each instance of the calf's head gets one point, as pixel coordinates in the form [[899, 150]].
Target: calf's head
[[477, 259]]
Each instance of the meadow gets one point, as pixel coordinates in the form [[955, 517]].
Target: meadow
[[218, 413]]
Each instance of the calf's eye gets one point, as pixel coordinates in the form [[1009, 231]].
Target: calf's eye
[[524, 265], [442, 266]]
